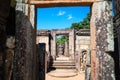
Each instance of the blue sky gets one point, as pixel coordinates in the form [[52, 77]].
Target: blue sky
[[60, 17]]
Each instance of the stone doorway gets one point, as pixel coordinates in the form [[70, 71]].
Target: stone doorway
[[63, 61], [62, 46], [101, 24], [68, 32]]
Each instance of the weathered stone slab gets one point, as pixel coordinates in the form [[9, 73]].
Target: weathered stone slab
[[2, 51], [102, 41], [117, 37], [41, 61], [10, 44], [51, 3], [4, 13], [32, 15], [25, 44], [66, 51], [88, 66]]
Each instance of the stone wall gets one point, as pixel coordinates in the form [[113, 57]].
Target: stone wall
[[82, 42], [4, 14], [44, 39], [24, 66], [117, 37], [43, 36]]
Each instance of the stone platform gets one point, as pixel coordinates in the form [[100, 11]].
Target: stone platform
[[62, 58], [63, 73]]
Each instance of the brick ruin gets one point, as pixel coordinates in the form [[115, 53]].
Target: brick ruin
[[18, 54]]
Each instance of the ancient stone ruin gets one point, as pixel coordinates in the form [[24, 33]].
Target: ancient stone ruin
[[80, 44], [20, 57]]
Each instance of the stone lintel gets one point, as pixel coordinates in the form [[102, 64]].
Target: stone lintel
[[62, 31], [83, 32], [43, 33], [52, 3]]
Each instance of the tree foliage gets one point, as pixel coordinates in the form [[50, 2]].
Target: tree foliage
[[62, 39], [85, 24]]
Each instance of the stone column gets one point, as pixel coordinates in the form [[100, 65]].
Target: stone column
[[102, 44], [66, 50], [24, 60], [88, 66], [53, 45], [32, 18], [117, 37], [41, 61], [2, 51], [71, 44], [4, 13]]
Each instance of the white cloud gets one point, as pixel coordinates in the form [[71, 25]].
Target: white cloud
[[70, 17], [60, 13]]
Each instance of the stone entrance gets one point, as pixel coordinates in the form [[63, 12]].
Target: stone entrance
[[62, 61], [102, 63], [71, 34], [24, 67]]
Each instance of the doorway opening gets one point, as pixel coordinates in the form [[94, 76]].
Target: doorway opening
[[61, 29]]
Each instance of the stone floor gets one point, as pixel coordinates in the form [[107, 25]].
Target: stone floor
[[80, 76], [63, 73]]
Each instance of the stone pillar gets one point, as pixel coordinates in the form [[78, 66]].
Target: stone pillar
[[4, 13], [88, 66], [2, 51], [71, 44], [66, 50], [117, 37], [60, 49], [24, 60], [41, 61], [53, 44], [102, 44], [32, 18], [32, 15]]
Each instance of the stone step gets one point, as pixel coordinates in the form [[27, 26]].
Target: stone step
[[64, 67], [63, 58], [65, 63]]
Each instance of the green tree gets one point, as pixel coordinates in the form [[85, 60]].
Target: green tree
[[62, 39], [85, 24]]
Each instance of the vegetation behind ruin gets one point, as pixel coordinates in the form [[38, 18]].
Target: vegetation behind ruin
[[85, 24]]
